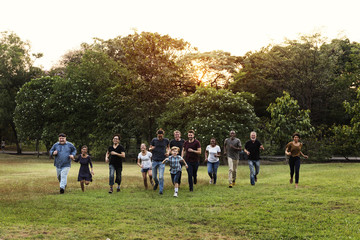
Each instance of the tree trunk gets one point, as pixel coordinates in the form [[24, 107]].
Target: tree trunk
[[18, 147], [37, 147]]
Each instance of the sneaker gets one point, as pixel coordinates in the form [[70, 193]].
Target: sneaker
[[62, 191], [111, 190], [175, 194], [255, 178], [161, 193], [156, 185], [230, 185], [210, 181], [118, 189]]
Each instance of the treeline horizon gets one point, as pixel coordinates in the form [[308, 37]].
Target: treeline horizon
[[135, 84]]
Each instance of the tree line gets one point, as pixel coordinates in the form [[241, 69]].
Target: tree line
[[134, 84]]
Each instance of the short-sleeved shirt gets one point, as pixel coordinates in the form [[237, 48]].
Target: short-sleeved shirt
[[294, 150], [254, 149], [191, 156], [175, 165], [158, 153], [178, 144], [116, 161], [212, 151], [145, 159], [232, 153]]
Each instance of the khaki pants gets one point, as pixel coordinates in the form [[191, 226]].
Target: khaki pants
[[233, 164]]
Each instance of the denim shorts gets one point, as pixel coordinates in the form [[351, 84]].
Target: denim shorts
[[176, 178], [145, 169]]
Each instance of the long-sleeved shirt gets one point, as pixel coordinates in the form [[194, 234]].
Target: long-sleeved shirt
[[62, 159]]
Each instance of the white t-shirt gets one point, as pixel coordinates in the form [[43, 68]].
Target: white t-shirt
[[145, 159], [212, 151]]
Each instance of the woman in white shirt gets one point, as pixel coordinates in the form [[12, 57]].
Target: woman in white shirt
[[212, 155], [145, 165]]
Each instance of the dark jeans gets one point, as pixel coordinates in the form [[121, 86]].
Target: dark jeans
[[112, 170], [192, 173], [294, 163]]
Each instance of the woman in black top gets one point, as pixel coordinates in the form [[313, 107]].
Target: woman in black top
[[85, 175], [114, 156]]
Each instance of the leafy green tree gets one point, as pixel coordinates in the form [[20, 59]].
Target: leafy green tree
[[30, 114], [211, 113], [316, 73], [55, 105], [345, 139], [15, 69], [287, 118], [155, 62]]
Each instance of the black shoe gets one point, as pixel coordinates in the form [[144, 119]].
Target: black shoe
[[255, 178], [62, 191], [156, 185], [111, 190], [161, 193], [195, 180], [118, 189]]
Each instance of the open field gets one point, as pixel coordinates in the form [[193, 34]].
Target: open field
[[326, 205]]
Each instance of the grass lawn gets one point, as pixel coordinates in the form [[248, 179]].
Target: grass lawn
[[325, 206]]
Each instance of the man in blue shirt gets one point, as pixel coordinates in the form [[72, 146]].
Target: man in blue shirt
[[64, 152]]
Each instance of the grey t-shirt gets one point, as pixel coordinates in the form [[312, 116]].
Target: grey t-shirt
[[232, 153]]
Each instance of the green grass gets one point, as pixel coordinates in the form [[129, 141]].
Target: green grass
[[325, 206]]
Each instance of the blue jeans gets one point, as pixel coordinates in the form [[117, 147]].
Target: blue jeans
[[155, 166], [254, 172], [192, 173], [112, 170], [62, 174], [212, 168]]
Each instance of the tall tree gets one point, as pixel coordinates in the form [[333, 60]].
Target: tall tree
[[310, 69], [16, 68], [155, 61]]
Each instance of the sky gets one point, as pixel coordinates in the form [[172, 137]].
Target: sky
[[55, 27]]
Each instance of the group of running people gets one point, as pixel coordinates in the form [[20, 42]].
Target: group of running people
[[177, 153]]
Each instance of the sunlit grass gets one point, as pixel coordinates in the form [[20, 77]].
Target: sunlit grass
[[326, 205]]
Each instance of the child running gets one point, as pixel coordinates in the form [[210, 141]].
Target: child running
[[85, 175], [145, 165], [175, 168]]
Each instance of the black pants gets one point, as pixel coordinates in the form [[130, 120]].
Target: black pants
[[192, 173], [294, 163]]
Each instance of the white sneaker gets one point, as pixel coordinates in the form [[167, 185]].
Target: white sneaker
[[175, 194], [210, 182]]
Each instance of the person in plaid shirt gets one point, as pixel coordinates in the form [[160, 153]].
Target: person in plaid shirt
[[175, 168]]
